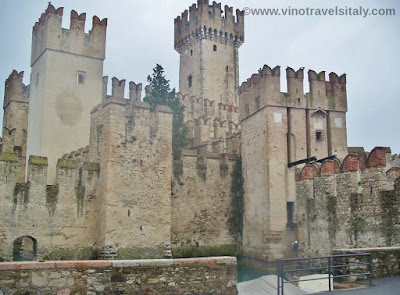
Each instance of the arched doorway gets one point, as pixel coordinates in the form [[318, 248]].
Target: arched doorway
[[24, 249]]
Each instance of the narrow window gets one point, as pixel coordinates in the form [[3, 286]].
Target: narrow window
[[227, 69], [80, 77], [289, 210], [190, 81], [191, 52], [318, 136], [80, 177], [298, 100], [246, 109], [258, 103], [215, 47]]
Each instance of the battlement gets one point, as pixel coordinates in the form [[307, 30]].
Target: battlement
[[48, 34], [263, 88], [206, 21], [118, 91], [15, 89], [353, 162]]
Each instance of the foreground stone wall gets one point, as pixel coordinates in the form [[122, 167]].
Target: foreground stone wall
[[216, 275]]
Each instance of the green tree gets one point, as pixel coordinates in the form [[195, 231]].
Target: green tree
[[161, 94]]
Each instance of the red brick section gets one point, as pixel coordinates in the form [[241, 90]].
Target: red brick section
[[329, 167], [393, 173], [27, 265], [377, 158], [309, 172], [353, 162], [97, 264], [101, 264]]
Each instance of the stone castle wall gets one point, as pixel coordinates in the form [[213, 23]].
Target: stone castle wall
[[134, 149], [202, 205], [61, 217], [352, 205]]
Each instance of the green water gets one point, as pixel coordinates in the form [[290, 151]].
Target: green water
[[247, 272]]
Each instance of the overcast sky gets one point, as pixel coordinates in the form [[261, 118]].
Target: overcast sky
[[140, 34]]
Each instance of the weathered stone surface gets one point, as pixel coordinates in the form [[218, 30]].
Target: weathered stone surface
[[216, 275], [350, 209]]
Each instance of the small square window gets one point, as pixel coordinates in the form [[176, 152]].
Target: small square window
[[80, 77]]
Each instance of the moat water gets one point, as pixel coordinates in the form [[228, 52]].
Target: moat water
[[247, 272]]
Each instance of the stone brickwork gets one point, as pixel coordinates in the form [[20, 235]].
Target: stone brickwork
[[60, 218], [202, 205], [385, 260], [215, 275], [353, 204]]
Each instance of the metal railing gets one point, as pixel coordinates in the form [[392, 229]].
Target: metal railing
[[334, 264]]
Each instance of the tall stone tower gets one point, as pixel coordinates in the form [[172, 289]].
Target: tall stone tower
[[66, 83], [16, 104], [208, 45]]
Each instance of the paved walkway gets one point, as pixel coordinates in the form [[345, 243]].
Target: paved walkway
[[381, 286]]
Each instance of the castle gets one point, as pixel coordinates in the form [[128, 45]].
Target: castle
[[88, 175]]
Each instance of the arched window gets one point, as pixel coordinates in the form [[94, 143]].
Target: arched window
[[24, 249], [190, 81], [215, 47]]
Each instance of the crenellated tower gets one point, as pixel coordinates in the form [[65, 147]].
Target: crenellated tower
[[15, 118], [207, 39], [66, 83], [279, 131]]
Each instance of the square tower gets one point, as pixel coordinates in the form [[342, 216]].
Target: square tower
[[66, 83]]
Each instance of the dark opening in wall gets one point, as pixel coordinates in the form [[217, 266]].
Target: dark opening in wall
[[80, 78], [289, 210], [258, 105], [319, 136], [191, 52], [190, 81], [24, 249], [215, 47]]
